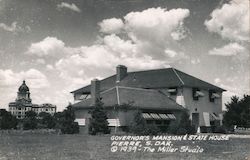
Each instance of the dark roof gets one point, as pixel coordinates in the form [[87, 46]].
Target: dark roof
[[141, 98], [160, 78]]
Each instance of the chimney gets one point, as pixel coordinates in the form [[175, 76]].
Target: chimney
[[121, 72], [95, 91]]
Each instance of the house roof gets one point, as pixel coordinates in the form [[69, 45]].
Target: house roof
[[160, 78], [137, 97]]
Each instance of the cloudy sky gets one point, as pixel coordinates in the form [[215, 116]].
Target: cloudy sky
[[58, 46]]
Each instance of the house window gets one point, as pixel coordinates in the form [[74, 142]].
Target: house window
[[172, 91], [81, 122], [158, 122], [197, 93], [195, 97], [150, 122], [211, 98], [213, 95]]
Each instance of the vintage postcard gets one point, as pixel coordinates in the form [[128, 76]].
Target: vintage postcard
[[124, 79]]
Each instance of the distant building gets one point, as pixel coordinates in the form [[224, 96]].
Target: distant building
[[159, 94], [23, 104]]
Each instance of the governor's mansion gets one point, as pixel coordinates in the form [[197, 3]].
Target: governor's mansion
[[23, 104]]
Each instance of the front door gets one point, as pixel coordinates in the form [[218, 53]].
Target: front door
[[195, 120]]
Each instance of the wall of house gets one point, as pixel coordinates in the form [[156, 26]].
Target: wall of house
[[126, 117], [83, 114], [202, 106]]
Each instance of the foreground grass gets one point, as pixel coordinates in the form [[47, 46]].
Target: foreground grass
[[85, 147]]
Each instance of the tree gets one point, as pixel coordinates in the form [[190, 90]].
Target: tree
[[7, 121], [46, 120], [98, 121], [30, 121], [238, 112], [65, 121], [138, 125]]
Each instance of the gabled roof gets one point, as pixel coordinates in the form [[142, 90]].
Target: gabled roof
[[141, 98], [160, 78]]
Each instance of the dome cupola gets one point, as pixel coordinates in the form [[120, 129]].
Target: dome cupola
[[23, 87]]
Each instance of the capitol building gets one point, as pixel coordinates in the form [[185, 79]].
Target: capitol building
[[23, 104]]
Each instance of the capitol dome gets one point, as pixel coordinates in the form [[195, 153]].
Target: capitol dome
[[23, 87]]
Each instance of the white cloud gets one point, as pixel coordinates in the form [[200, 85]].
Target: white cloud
[[49, 67], [50, 46], [148, 33], [151, 30], [76, 66], [35, 78], [110, 26], [230, 49], [154, 24], [195, 60], [14, 28], [231, 21], [103, 58], [179, 33], [170, 53], [72, 7], [217, 80], [40, 61], [122, 48]]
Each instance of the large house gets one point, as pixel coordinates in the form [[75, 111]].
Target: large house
[[161, 95], [23, 104]]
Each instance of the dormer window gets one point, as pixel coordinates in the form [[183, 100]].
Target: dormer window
[[172, 91], [197, 93], [213, 95], [82, 97]]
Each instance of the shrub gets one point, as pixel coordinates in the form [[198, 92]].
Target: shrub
[[30, 121], [65, 121], [183, 126], [220, 129], [7, 121], [173, 127], [46, 120], [152, 129], [181, 131], [138, 125]]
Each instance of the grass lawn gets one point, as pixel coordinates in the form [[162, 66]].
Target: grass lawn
[[81, 147]]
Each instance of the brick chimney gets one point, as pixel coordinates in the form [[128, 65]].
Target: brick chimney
[[95, 91], [121, 72]]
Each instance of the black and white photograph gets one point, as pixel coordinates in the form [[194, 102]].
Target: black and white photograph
[[124, 79]]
